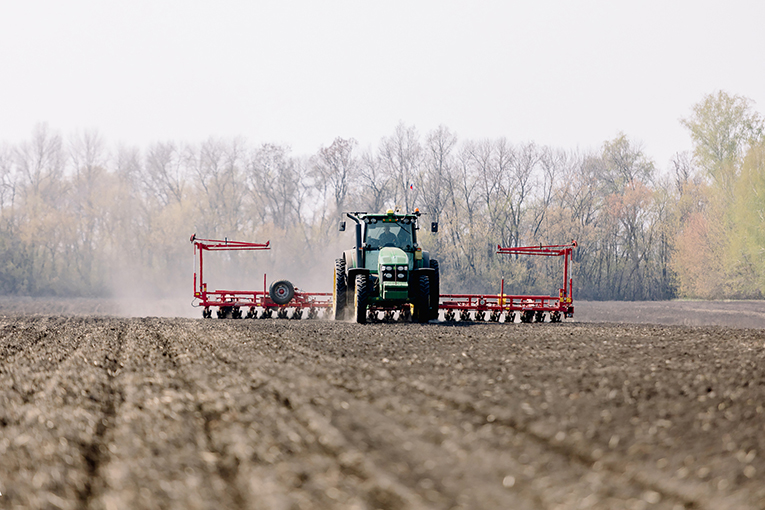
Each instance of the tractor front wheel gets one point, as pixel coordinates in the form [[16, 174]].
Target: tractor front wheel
[[422, 309], [361, 298]]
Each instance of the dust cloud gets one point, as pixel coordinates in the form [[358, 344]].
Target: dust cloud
[[141, 291]]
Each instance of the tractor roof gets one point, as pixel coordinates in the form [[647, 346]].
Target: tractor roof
[[390, 213]]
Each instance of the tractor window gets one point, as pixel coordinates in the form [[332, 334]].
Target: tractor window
[[404, 237], [380, 235]]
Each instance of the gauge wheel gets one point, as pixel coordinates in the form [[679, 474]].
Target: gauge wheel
[[281, 292]]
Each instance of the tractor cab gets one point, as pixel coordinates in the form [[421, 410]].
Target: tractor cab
[[388, 236], [389, 232]]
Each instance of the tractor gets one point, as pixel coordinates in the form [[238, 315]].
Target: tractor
[[387, 271]]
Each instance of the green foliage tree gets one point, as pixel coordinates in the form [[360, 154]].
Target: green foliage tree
[[722, 128], [716, 255], [747, 247]]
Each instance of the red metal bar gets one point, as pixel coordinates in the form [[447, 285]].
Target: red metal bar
[[553, 250], [494, 301], [241, 298], [225, 244], [202, 245], [561, 304], [556, 250]]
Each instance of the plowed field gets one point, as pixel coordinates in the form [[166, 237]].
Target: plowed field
[[108, 413]]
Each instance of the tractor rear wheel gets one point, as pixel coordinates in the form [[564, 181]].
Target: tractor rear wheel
[[339, 291], [422, 300], [435, 290], [361, 298]]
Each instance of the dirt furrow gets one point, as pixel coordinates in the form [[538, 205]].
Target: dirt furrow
[[96, 453], [311, 464], [517, 440], [159, 454], [357, 421], [592, 443], [47, 410]]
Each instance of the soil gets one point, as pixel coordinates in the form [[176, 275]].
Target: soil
[[733, 314], [105, 412]]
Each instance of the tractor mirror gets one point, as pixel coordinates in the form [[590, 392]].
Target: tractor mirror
[[434, 226], [341, 228]]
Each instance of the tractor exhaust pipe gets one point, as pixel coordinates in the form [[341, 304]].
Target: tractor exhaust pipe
[[359, 262]]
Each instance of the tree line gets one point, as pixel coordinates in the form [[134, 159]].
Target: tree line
[[79, 218]]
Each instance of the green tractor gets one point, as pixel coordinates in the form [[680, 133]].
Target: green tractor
[[387, 271]]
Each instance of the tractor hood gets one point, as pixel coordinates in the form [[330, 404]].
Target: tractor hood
[[393, 256]]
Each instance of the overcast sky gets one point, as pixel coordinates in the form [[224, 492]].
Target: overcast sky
[[570, 74]]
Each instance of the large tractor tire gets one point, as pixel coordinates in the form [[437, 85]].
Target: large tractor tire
[[281, 292], [435, 290], [339, 291], [361, 298], [422, 300]]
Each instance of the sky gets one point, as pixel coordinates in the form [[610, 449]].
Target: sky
[[568, 74]]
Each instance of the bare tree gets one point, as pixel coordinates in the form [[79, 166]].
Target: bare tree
[[7, 179], [463, 187], [40, 163], [401, 156], [521, 187], [129, 216], [376, 185], [461, 216], [437, 169], [163, 176], [91, 204], [551, 162], [89, 154], [488, 176], [276, 185], [335, 169], [218, 168]]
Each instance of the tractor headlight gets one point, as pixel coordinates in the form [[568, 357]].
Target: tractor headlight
[[401, 268], [401, 276]]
